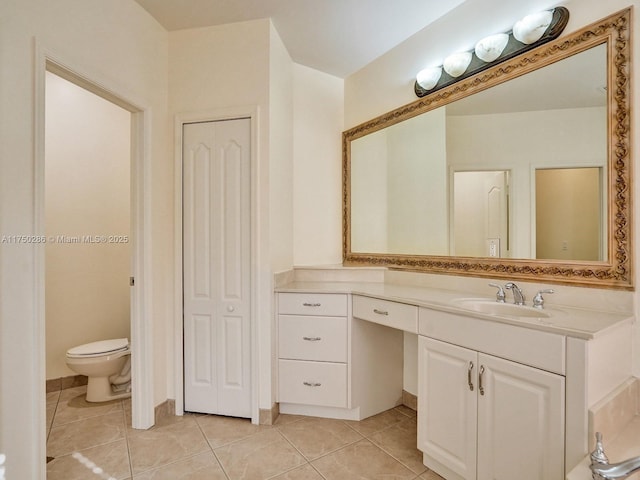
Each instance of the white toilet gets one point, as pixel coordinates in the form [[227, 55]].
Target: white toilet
[[107, 364]]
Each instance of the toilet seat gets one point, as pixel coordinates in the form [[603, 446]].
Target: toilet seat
[[96, 349]]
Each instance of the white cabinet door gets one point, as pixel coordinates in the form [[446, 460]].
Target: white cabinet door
[[520, 422], [484, 417], [447, 406], [216, 244]]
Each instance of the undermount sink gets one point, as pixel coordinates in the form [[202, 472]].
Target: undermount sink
[[495, 308]]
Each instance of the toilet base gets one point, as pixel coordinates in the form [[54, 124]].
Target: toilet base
[[99, 390]]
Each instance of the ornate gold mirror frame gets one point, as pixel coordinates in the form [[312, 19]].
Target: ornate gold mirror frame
[[617, 270]]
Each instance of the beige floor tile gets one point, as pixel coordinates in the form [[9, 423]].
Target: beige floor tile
[[315, 437], [429, 475], [51, 411], [258, 457], [305, 472], [69, 393], [157, 447], [223, 430], [87, 433], [364, 461], [112, 458], [374, 424], [74, 408], [203, 466], [399, 441], [409, 412], [53, 397], [286, 419]]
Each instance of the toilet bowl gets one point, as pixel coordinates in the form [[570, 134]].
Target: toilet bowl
[[107, 364]]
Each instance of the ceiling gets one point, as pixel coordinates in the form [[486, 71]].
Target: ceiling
[[338, 37]]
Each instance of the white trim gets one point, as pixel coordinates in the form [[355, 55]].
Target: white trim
[[251, 112], [141, 324]]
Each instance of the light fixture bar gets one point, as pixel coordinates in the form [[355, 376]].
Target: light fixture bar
[[527, 33]]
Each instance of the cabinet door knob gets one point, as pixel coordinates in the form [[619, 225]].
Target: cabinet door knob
[[469, 376], [480, 387]]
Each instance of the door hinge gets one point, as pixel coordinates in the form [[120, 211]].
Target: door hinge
[[132, 281]]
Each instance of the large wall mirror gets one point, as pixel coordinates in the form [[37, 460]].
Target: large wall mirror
[[522, 171]]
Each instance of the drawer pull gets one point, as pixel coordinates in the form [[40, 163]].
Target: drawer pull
[[469, 376], [312, 384], [380, 312], [307, 304], [312, 339]]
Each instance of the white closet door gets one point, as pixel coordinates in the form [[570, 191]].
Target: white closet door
[[216, 259]]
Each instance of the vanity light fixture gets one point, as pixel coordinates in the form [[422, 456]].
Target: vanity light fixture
[[428, 78], [490, 48], [457, 63], [527, 33], [531, 28]]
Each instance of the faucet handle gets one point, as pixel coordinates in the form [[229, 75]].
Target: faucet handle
[[500, 295], [538, 301], [598, 457]]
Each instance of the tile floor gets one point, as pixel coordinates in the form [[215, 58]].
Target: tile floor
[[94, 441]]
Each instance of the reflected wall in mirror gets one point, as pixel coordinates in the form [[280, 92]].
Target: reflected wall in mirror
[[568, 212], [411, 176]]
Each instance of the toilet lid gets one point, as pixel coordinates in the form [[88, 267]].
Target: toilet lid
[[103, 346]]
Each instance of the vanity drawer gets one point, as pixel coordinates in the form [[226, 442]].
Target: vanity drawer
[[393, 314], [327, 304], [531, 347], [312, 338], [313, 383]]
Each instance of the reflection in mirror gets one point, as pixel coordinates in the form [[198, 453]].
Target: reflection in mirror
[[569, 209], [563, 106], [399, 200], [399, 196], [481, 214]]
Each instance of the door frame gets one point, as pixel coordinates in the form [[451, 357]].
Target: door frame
[[47, 59], [230, 113]]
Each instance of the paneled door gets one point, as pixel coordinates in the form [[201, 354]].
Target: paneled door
[[216, 267]]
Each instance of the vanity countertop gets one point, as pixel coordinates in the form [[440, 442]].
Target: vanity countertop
[[564, 320]]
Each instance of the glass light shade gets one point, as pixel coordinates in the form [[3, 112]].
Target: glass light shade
[[428, 78], [456, 63], [490, 48], [531, 28]]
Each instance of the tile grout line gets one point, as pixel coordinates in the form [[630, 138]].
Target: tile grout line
[[307, 461], [206, 439], [126, 437]]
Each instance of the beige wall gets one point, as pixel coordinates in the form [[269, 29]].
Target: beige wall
[[568, 208], [318, 102], [87, 185], [117, 44]]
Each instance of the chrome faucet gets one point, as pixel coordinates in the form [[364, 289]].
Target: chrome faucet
[[518, 296], [601, 468], [500, 296], [538, 300]]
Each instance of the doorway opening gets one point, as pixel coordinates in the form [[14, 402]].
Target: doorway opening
[[87, 226], [138, 238]]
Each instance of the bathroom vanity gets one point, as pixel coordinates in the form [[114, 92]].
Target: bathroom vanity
[[503, 391]]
